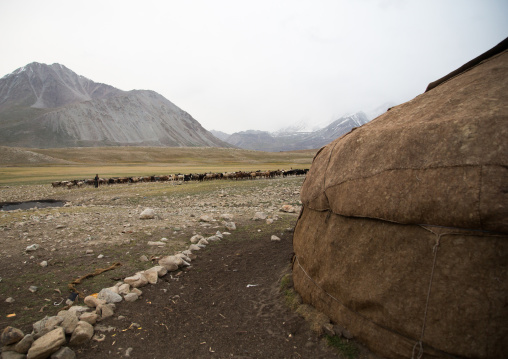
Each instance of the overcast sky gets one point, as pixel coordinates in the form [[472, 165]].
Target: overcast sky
[[238, 65]]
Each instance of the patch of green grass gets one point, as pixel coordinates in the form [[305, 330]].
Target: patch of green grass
[[346, 348], [285, 282], [291, 299]]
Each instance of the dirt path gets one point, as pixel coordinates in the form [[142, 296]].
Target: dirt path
[[227, 305]]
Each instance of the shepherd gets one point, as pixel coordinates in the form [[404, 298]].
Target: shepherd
[[96, 181]]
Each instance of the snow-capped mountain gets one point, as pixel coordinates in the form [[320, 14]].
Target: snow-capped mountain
[[51, 106], [285, 140]]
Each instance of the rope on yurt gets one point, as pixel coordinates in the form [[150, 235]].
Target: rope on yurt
[[454, 231], [419, 343]]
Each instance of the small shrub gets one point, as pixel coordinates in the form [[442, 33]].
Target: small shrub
[[346, 348]]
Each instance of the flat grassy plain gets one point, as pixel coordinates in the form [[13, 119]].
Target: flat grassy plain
[[40, 166]]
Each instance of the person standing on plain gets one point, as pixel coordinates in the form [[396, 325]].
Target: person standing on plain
[[96, 180]]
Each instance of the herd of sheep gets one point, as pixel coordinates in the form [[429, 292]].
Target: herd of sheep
[[239, 175]]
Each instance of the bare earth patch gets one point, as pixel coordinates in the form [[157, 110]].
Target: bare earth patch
[[228, 304]]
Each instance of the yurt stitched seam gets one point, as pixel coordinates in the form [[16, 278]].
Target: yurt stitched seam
[[398, 169], [480, 186], [407, 168], [435, 249], [483, 231], [326, 171]]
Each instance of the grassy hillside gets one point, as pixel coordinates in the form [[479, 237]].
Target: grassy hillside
[[31, 166]]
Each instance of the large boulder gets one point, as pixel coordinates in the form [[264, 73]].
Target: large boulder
[[403, 237], [11, 335], [47, 344]]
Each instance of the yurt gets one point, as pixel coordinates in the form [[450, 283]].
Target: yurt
[[403, 234]]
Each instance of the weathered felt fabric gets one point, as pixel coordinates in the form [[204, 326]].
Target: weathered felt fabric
[[428, 175], [441, 158], [373, 277]]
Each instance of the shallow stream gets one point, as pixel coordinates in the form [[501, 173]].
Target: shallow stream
[[43, 203]]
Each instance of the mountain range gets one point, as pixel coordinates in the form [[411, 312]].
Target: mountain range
[[291, 139], [49, 106]]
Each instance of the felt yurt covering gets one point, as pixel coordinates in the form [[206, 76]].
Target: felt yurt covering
[[403, 234]]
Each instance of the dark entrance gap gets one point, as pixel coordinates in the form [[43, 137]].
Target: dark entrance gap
[[42, 203]]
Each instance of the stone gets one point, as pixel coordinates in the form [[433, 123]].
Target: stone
[[24, 344], [11, 335], [171, 263], [109, 296], [158, 243], [143, 258], [275, 238], [32, 247], [105, 310], [206, 218], [10, 300], [152, 275], [47, 344], [194, 247], [83, 333], [103, 329], [328, 329], [43, 264], [79, 309], [46, 325], [114, 289], [196, 238], [288, 208], [269, 221], [64, 353], [184, 257], [189, 254], [147, 213], [137, 280], [213, 238], [347, 334], [69, 322], [131, 297], [124, 288], [161, 271], [33, 288], [203, 242], [259, 216], [137, 291], [89, 318], [227, 216], [230, 226], [12, 355], [93, 302]]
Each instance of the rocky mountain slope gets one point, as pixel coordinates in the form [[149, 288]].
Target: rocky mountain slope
[[289, 140], [47, 106]]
